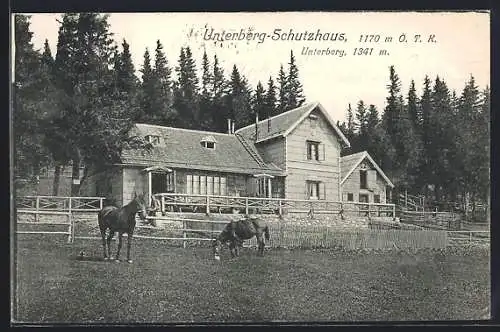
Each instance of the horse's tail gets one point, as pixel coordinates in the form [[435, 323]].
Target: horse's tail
[[266, 233]]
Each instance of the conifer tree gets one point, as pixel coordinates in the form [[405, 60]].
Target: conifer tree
[[294, 92], [362, 126], [270, 100], [259, 101], [240, 99], [32, 103], [282, 92], [147, 91], [206, 116], [186, 96], [413, 109], [162, 102], [220, 105]]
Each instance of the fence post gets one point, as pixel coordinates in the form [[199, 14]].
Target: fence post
[[280, 209], [246, 206], [470, 237], [101, 203], [208, 205], [37, 207], [394, 211], [70, 205], [184, 234], [71, 236], [163, 205]]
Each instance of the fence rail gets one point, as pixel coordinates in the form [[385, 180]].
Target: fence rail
[[60, 203], [280, 206], [69, 223]]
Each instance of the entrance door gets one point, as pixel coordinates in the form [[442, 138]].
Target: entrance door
[[162, 183], [364, 198], [363, 209]]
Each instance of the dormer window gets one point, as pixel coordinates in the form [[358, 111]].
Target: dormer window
[[153, 139], [208, 142]]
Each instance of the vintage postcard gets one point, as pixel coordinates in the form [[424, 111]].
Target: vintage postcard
[[270, 167]]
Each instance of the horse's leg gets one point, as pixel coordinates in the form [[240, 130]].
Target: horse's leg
[[129, 245], [120, 239], [260, 241], [110, 237], [103, 236], [231, 248]]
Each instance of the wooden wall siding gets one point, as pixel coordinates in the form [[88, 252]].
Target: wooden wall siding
[[352, 185], [134, 181], [295, 183], [299, 169], [273, 151]]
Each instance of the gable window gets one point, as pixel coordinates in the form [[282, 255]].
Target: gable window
[[208, 142], [350, 197], [314, 151], [363, 183], [315, 190], [153, 139]]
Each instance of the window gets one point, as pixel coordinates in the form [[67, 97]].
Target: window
[[350, 197], [153, 139], [208, 142], [376, 198], [315, 190], [313, 152], [362, 180], [203, 185]]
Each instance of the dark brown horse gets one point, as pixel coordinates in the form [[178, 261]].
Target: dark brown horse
[[236, 232], [121, 220]]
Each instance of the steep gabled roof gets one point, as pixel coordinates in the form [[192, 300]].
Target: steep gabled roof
[[182, 148], [284, 123], [350, 162]]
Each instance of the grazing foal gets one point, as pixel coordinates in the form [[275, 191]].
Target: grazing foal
[[236, 232]]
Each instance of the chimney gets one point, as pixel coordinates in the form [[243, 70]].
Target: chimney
[[229, 126], [232, 128], [256, 125]]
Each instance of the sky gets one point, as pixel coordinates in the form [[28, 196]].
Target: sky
[[451, 45]]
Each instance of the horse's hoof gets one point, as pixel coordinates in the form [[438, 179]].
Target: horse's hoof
[[117, 260], [106, 258], [129, 261]]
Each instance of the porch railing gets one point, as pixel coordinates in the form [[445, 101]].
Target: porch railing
[[280, 206]]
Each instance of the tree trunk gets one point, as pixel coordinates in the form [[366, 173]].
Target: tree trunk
[[75, 174], [57, 177]]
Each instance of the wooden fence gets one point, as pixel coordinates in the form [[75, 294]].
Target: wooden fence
[[280, 206], [432, 220], [469, 237], [37, 223], [60, 203], [282, 235], [286, 235]]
